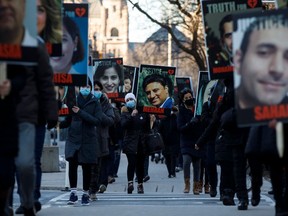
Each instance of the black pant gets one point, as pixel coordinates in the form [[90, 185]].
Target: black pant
[[86, 173], [256, 171], [239, 171], [277, 173], [170, 160], [211, 165], [95, 177], [135, 163], [226, 176]]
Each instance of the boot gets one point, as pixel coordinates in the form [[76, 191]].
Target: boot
[[196, 188], [228, 197], [243, 200], [207, 189], [140, 189], [130, 187], [200, 187], [187, 185]]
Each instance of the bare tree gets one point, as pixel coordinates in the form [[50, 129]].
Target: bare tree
[[185, 14]]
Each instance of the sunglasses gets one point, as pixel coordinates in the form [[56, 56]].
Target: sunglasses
[[228, 35], [97, 89]]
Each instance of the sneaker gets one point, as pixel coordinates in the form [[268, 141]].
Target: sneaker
[[93, 197], [73, 199], [85, 200], [146, 178], [102, 188], [130, 188], [140, 189]]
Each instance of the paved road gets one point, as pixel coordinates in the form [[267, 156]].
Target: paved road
[[163, 197]]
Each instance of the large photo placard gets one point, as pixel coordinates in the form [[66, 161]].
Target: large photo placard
[[155, 89], [50, 25], [72, 66], [18, 33], [110, 73], [217, 19], [260, 49]]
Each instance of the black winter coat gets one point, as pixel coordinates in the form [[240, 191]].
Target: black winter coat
[[38, 97], [82, 132], [9, 122], [170, 134], [135, 129], [107, 120], [190, 131]]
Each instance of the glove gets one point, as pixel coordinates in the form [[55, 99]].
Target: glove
[[51, 124]]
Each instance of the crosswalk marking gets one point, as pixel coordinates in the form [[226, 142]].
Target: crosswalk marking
[[149, 199]]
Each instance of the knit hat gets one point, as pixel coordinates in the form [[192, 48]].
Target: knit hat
[[130, 95]]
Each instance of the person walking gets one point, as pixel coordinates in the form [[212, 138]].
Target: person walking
[[171, 138], [135, 126], [81, 144], [190, 130], [9, 134], [99, 180], [211, 166]]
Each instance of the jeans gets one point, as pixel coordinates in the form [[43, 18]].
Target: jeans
[[39, 142], [187, 160], [25, 164]]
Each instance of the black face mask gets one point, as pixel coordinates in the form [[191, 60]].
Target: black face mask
[[189, 102]]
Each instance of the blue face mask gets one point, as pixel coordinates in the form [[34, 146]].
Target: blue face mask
[[85, 91], [130, 104], [97, 94]]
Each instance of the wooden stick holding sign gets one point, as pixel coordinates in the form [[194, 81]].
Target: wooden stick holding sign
[[280, 139], [3, 74]]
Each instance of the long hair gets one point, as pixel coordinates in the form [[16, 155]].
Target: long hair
[[52, 32]]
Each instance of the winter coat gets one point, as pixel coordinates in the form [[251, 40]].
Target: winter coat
[[38, 98], [115, 131], [107, 120], [9, 122], [135, 129], [82, 132], [262, 144], [190, 130], [214, 130], [170, 134]]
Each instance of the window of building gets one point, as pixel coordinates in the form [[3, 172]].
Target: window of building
[[114, 8], [114, 32]]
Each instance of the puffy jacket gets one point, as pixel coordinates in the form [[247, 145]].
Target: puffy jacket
[[135, 130]]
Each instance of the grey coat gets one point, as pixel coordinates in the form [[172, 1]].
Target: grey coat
[[82, 133]]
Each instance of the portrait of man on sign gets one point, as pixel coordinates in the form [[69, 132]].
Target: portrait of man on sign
[[261, 63], [155, 89], [18, 32]]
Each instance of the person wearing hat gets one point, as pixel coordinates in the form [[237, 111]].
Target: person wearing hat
[[136, 126]]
